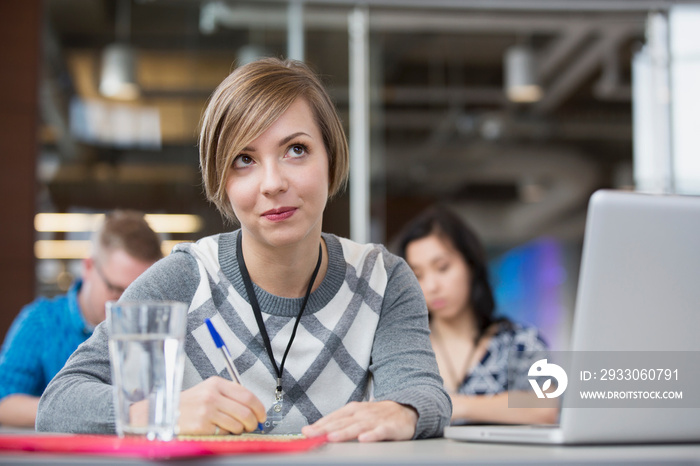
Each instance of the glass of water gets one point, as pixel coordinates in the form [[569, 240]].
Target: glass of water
[[146, 351]]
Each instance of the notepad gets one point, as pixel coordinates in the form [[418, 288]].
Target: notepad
[[140, 447], [243, 437]]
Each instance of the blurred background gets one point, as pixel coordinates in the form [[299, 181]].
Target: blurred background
[[512, 112]]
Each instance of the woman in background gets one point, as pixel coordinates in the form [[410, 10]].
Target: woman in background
[[471, 345]]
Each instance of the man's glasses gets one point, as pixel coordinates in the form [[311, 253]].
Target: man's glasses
[[110, 286]]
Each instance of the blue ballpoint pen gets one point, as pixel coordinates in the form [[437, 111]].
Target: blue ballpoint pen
[[219, 342]]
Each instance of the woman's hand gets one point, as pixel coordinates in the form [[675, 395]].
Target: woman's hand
[[213, 406], [217, 402], [370, 421]]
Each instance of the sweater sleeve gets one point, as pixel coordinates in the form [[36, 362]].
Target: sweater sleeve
[[403, 364], [79, 399]]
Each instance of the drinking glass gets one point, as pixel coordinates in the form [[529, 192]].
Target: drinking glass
[[146, 350]]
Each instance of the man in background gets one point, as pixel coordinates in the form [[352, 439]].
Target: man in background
[[47, 331]]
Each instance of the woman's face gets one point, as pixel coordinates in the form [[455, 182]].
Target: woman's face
[[278, 184], [443, 274]]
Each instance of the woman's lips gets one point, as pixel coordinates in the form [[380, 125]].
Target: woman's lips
[[437, 304], [277, 215]]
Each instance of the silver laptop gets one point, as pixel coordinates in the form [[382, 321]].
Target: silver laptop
[[638, 290]]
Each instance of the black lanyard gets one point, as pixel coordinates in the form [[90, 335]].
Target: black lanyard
[[258, 314]]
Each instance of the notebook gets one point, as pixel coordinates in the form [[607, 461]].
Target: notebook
[[140, 447], [638, 290]]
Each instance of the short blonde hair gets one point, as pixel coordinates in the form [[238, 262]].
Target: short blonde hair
[[246, 104]]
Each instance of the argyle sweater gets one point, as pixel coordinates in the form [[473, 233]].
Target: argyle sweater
[[363, 335]]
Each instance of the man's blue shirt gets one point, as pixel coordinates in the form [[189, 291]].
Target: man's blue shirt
[[40, 341]]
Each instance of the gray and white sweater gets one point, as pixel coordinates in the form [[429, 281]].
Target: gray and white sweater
[[363, 335]]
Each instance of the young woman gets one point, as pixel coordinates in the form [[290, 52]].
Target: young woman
[[473, 348], [329, 336]]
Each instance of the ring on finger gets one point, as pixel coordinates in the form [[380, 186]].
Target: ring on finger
[[217, 430]]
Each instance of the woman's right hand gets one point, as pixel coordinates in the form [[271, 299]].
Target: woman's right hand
[[217, 402]]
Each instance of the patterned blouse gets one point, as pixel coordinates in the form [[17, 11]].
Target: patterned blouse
[[504, 366]]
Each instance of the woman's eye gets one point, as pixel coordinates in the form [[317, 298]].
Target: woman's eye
[[443, 267], [242, 161], [297, 150]]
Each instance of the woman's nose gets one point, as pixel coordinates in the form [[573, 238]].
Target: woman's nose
[[274, 179], [430, 283]]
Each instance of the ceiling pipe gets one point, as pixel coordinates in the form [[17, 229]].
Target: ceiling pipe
[[514, 5], [220, 14]]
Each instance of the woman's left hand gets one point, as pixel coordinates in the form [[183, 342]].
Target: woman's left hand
[[370, 421]]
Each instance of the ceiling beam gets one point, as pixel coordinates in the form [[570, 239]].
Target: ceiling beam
[[560, 50], [586, 63]]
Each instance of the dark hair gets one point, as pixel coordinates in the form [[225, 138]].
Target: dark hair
[[441, 221]]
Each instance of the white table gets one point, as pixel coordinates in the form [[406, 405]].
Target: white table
[[428, 452]]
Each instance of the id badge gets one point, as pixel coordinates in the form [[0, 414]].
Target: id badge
[[275, 416], [284, 421]]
